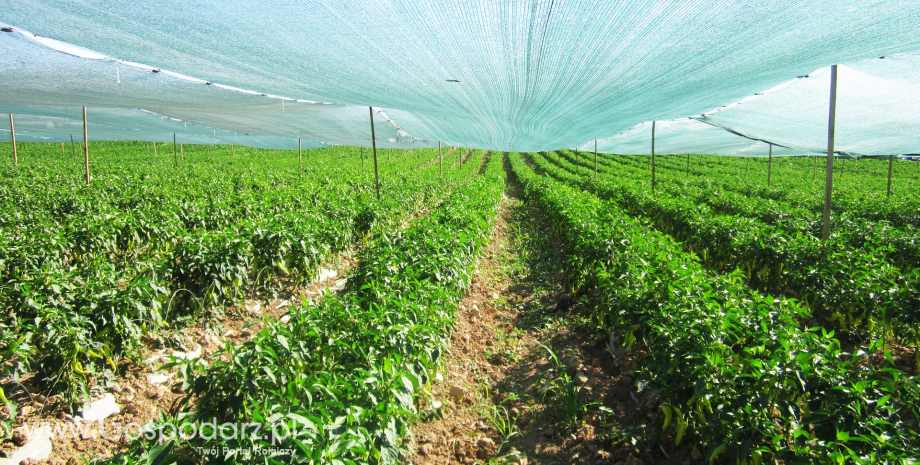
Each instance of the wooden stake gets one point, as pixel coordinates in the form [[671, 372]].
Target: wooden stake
[[688, 165], [814, 173], [300, 154], [62, 150], [769, 166], [85, 146], [73, 147], [653, 155], [890, 161], [440, 160], [595, 159], [154, 149], [829, 180], [13, 135], [175, 153], [374, 144], [182, 152]]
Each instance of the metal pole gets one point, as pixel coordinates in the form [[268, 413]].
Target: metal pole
[[890, 161], [85, 146], [440, 159], [829, 181], [374, 144], [595, 159], [770, 166], [13, 135], [653, 155], [175, 153]]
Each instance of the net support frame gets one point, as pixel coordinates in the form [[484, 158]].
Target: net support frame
[[829, 179]]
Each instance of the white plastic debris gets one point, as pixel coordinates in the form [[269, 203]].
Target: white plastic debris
[[101, 409]]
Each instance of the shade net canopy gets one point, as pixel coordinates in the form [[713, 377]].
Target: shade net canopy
[[37, 75], [877, 111], [46, 123], [501, 75], [687, 135]]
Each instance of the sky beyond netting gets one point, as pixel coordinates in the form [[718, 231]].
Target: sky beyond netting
[[722, 77]]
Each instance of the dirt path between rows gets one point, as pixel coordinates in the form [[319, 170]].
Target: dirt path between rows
[[142, 391], [504, 397], [464, 158], [435, 159]]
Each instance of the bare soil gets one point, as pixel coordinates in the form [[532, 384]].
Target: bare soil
[[499, 362]]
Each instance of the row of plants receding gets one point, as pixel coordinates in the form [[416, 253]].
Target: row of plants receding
[[859, 193], [80, 295], [344, 372], [901, 244], [854, 290], [734, 371]]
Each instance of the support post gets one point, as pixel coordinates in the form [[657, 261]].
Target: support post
[[85, 146], [440, 160], [73, 147], [232, 153], [595, 159], [374, 145], [154, 149], [814, 173], [653, 155], [62, 150], [890, 162], [182, 152], [300, 154], [829, 181], [13, 135], [770, 166], [688, 165], [175, 153]]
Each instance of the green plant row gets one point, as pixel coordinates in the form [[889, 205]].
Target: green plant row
[[901, 244], [734, 371], [859, 190], [855, 290], [345, 371], [87, 270]]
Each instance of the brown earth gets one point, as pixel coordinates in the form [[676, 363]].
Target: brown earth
[[142, 401], [511, 411]]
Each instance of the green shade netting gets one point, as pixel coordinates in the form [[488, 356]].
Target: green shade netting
[[41, 77], [534, 75], [877, 111], [686, 135], [44, 123]]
